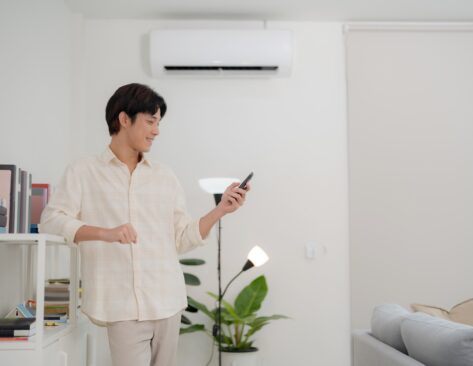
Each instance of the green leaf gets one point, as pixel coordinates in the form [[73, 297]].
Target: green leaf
[[191, 309], [250, 298], [200, 307], [191, 279], [191, 262], [227, 306], [185, 320], [192, 329], [260, 322], [225, 339]]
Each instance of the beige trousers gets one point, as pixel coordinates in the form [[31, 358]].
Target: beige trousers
[[144, 343]]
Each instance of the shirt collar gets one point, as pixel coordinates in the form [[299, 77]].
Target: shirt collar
[[108, 156]]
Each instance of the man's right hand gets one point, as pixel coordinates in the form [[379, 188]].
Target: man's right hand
[[124, 234]]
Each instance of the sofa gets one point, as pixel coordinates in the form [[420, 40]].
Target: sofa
[[399, 337]]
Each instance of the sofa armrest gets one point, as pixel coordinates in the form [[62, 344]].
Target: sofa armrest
[[368, 351]]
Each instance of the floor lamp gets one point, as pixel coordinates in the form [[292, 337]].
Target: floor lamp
[[216, 187]]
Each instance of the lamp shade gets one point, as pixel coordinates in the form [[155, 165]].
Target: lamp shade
[[257, 256], [216, 185]]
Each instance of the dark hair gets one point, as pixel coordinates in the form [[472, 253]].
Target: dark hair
[[132, 99]]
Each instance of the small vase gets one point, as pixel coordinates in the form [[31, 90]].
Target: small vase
[[241, 358]]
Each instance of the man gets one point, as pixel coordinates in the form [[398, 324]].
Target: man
[[129, 217]]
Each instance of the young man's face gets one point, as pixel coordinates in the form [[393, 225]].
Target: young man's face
[[145, 129]]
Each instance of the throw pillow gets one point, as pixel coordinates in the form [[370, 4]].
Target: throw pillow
[[386, 325], [437, 342], [431, 310], [460, 313]]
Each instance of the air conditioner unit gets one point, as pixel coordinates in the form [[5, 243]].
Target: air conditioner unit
[[221, 52]]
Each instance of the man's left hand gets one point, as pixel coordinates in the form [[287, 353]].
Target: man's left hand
[[233, 198]]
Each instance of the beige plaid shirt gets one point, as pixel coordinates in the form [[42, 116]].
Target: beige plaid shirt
[[142, 281]]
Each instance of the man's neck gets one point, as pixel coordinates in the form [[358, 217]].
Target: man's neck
[[125, 153]]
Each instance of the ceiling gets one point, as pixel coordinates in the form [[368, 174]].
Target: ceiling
[[300, 10]]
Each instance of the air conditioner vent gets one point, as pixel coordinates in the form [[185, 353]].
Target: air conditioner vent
[[223, 68]]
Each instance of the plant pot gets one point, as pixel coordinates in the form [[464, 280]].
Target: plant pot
[[240, 358]]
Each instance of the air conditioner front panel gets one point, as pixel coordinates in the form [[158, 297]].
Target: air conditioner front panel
[[203, 50]]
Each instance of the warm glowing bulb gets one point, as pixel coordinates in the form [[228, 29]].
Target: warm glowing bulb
[[216, 185], [257, 256]]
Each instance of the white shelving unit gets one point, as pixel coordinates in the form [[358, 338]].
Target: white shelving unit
[[62, 345]]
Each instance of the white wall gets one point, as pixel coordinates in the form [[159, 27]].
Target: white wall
[[35, 86], [291, 132], [35, 93], [411, 171]]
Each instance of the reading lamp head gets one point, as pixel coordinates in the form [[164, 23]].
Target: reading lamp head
[[216, 186], [256, 258]]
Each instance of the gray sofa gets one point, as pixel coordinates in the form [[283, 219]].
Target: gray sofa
[[369, 351], [401, 338]]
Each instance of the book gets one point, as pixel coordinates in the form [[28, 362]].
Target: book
[[9, 193], [60, 317], [17, 323], [40, 193], [17, 327], [13, 339], [51, 307], [59, 281], [17, 332], [24, 207]]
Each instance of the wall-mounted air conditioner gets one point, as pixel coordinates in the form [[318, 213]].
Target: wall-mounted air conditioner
[[221, 52]]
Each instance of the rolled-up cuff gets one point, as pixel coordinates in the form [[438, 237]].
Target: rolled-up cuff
[[194, 232], [70, 230]]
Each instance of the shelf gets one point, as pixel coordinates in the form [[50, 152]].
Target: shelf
[[34, 274], [31, 239], [51, 334]]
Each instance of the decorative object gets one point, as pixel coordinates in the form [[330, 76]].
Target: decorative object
[[240, 320], [459, 313]]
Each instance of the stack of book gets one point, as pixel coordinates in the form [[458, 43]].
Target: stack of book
[[17, 328], [21, 201], [56, 297]]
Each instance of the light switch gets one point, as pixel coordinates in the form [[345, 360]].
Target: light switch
[[314, 250], [310, 250]]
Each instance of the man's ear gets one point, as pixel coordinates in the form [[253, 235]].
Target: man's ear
[[124, 119]]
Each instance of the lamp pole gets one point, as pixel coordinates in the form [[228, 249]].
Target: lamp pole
[[217, 331], [219, 294]]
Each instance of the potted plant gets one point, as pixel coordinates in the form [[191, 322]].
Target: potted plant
[[240, 320]]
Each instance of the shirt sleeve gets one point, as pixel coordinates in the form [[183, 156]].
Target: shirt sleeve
[[61, 215], [186, 229]]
